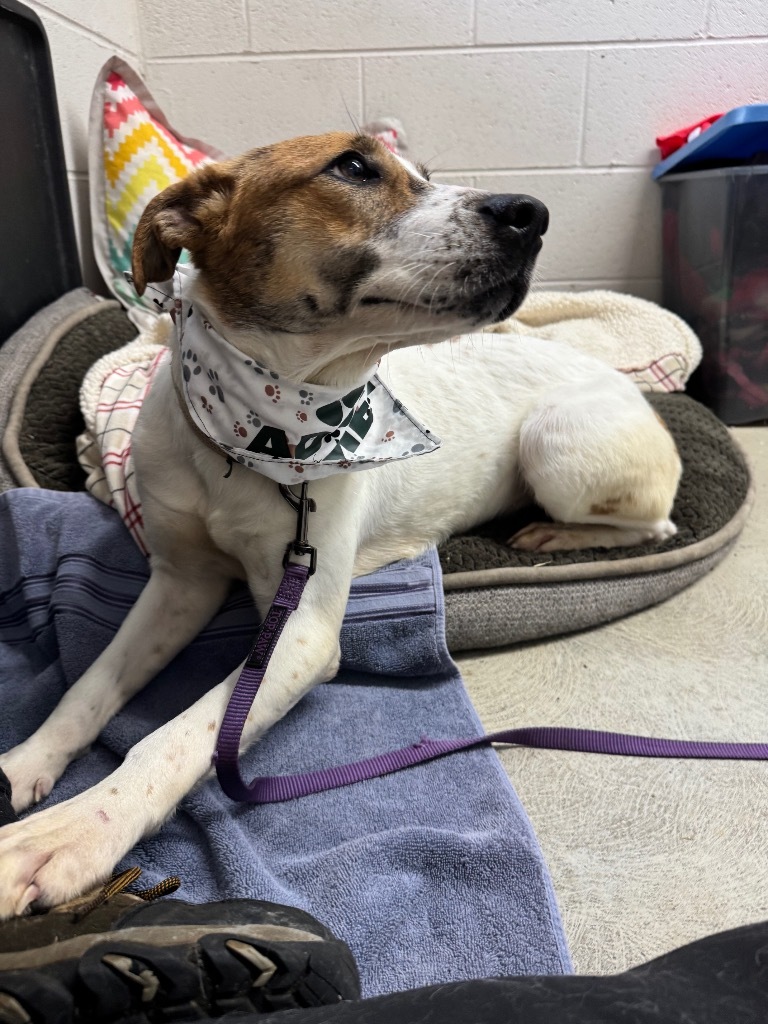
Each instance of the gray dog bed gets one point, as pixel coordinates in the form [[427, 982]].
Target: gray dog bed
[[494, 596]]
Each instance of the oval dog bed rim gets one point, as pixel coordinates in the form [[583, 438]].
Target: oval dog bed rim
[[486, 617], [522, 575], [10, 441]]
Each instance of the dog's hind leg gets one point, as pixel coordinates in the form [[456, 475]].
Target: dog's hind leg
[[603, 465], [171, 610]]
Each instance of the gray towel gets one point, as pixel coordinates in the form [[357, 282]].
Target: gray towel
[[432, 874]]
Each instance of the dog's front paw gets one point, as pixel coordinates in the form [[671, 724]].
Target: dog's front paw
[[56, 854], [31, 780]]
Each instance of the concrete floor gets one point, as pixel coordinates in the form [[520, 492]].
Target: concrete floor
[[647, 855]]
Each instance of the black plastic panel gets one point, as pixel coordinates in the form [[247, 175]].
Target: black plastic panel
[[38, 252]]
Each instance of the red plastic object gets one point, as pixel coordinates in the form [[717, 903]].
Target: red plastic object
[[669, 144]]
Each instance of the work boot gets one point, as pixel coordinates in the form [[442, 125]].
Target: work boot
[[119, 956]]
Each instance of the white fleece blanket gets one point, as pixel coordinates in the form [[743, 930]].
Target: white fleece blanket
[[651, 345]]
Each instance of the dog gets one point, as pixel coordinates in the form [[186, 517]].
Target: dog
[[315, 259]]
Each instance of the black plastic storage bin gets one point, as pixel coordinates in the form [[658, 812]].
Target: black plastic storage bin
[[715, 276]]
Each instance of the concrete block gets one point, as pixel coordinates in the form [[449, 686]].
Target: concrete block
[[306, 25], [638, 92], [641, 287], [745, 18], [557, 21], [115, 20], [448, 178], [237, 105], [177, 28], [483, 110]]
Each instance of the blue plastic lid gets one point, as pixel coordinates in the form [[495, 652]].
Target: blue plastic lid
[[738, 135]]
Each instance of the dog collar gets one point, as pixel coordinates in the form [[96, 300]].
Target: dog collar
[[291, 432]]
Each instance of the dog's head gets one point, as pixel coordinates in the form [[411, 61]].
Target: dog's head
[[326, 246]]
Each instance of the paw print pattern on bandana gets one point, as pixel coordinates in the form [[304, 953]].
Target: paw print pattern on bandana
[[273, 392], [261, 369], [215, 387], [296, 467], [306, 397], [301, 417], [189, 364], [206, 404], [239, 429], [415, 449], [389, 436], [253, 419]]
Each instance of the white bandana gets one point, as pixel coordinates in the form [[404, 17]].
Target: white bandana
[[289, 432]]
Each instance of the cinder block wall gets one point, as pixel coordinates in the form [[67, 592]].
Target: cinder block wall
[[559, 98]]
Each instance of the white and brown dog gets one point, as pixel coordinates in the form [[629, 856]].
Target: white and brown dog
[[318, 257]]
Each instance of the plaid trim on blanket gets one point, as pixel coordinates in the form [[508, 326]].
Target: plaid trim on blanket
[[666, 374], [105, 451]]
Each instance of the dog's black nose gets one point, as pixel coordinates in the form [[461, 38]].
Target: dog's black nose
[[524, 213]]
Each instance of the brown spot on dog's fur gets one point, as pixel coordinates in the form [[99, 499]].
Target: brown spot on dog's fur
[[608, 507], [150, 789], [211, 726], [103, 816], [113, 791]]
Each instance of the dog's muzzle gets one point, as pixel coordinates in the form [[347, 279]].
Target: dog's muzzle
[[513, 225]]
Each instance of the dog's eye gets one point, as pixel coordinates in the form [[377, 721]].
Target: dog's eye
[[353, 167]]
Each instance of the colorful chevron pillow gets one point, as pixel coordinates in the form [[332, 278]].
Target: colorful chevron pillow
[[134, 154]]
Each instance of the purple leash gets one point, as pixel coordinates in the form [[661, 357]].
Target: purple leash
[[286, 601], [274, 789]]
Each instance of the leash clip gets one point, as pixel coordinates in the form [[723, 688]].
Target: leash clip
[[302, 506]]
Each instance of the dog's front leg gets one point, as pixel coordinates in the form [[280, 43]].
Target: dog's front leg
[[64, 850], [171, 610]]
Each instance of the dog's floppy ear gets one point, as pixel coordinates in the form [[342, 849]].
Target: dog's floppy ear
[[176, 219]]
